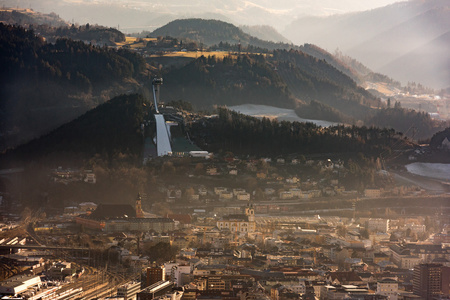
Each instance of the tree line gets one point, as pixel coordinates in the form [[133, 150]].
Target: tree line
[[264, 137], [412, 123]]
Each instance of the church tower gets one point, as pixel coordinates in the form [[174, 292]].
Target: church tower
[[250, 212], [139, 212]]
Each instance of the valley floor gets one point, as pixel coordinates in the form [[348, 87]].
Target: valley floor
[[271, 112], [427, 183]]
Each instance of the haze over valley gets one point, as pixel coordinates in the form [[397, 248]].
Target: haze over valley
[[410, 31], [236, 150]]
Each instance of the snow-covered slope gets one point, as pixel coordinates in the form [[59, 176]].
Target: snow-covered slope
[[433, 170], [282, 114]]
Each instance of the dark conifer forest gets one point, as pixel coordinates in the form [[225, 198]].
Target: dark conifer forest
[[241, 134], [45, 85]]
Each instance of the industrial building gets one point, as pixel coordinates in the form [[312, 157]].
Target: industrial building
[[123, 217], [128, 291], [157, 289], [18, 284]]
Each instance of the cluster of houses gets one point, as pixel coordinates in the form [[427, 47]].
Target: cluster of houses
[[66, 176], [275, 181], [239, 254]]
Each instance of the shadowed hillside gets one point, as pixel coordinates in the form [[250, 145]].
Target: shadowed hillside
[[209, 81], [309, 78], [110, 129], [45, 85]]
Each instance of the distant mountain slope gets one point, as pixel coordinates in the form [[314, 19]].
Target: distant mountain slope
[[52, 27], [389, 44], [264, 32], [27, 16], [380, 36], [310, 78], [363, 74], [212, 32], [286, 79], [320, 53], [348, 30], [431, 65], [134, 16], [93, 34]]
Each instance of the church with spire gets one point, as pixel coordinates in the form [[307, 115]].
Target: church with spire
[[243, 223], [139, 211]]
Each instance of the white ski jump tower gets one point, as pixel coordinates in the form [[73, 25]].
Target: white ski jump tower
[[163, 146]]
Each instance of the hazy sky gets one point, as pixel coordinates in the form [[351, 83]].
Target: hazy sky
[[298, 6], [338, 5], [136, 15]]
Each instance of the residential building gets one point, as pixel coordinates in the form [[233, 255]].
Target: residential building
[[388, 287], [372, 193], [378, 225], [243, 196], [155, 274], [427, 280]]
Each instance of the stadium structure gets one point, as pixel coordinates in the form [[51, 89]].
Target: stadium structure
[[160, 140]]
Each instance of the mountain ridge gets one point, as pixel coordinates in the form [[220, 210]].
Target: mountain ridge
[[376, 43], [424, 57], [265, 32], [212, 32]]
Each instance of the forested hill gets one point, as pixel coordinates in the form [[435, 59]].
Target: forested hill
[[310, 78], [288, 79], [111, 129], [439, 137], [242, 134], [219, 35], [24, 17], [410, 122], [309, 73], [207, 82], [52, 27], [97, 35], [214, 32], [46, 85], [320, 53]]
